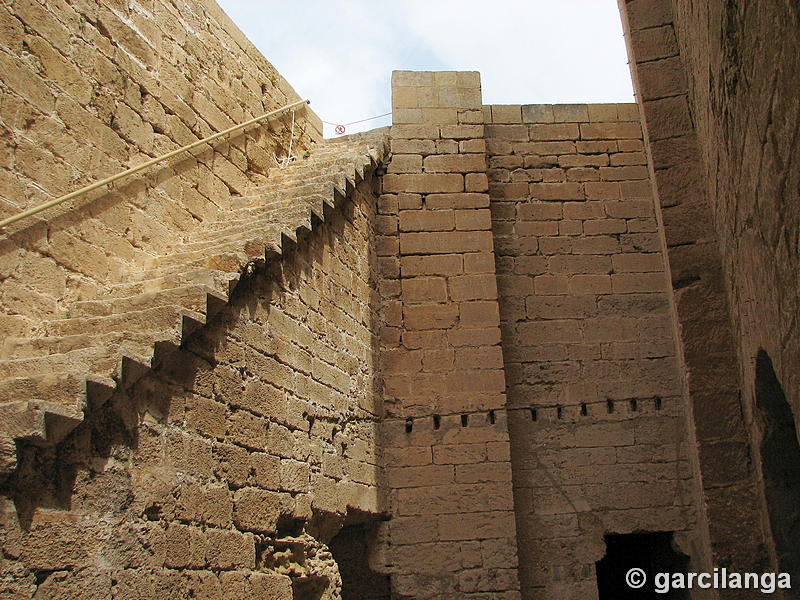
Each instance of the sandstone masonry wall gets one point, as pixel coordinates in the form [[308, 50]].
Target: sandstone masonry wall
[[469, 369], [744, 105], [598, 429], [733, 496], [448, 469], [743, 96], [91, 88], [227, 470]]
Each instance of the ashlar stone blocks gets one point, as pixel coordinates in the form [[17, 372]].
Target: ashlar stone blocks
[[445, 426], [598, 432]]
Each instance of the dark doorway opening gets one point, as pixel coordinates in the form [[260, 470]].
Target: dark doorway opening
[[350, 549], [780, 465], [652, 552]]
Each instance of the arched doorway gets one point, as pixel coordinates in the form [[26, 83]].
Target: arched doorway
[[780, 464]]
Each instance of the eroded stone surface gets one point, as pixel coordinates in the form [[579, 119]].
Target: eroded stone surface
[[458, 358]]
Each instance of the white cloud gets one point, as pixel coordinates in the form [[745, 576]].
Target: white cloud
[[341, 53]]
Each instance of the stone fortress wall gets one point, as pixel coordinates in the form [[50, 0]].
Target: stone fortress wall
[[92, 88], [442, 360], [599, 436], [193, 481], [446, 423], [728, 209], [746, 122]]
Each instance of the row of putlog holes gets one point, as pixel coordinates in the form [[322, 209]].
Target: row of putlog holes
[[610, 407], [437, 421]]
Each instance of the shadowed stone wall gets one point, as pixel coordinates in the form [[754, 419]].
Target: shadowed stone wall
[[469, 369], [599, 431], [721, 121], [228, 469], [742, 68]]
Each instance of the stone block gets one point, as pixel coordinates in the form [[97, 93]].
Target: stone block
[[405, 163], [424, 183], [627, 283], [570, 113], [654, 43], [537, 113], [602, 113], [557, 191], [643, 14], [509, 113], [424, 289], [667, 117], [610, 131], [445, 242], [589, 284], [473, 220], [455, 163], [555, 131], [230, 549], [427, 220], [446, 264], [477, 315], [661, 78], [430, 316], [478, 526], [472, 287]]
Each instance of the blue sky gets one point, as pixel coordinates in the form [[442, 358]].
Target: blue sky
[[340, 53]]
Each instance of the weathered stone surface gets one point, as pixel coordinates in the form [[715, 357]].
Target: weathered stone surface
[[711, 180], [445, 372], [578, 394], [216, 442], [227, 380]]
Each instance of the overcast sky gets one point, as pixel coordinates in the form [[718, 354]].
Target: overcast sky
[[340, 54]]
